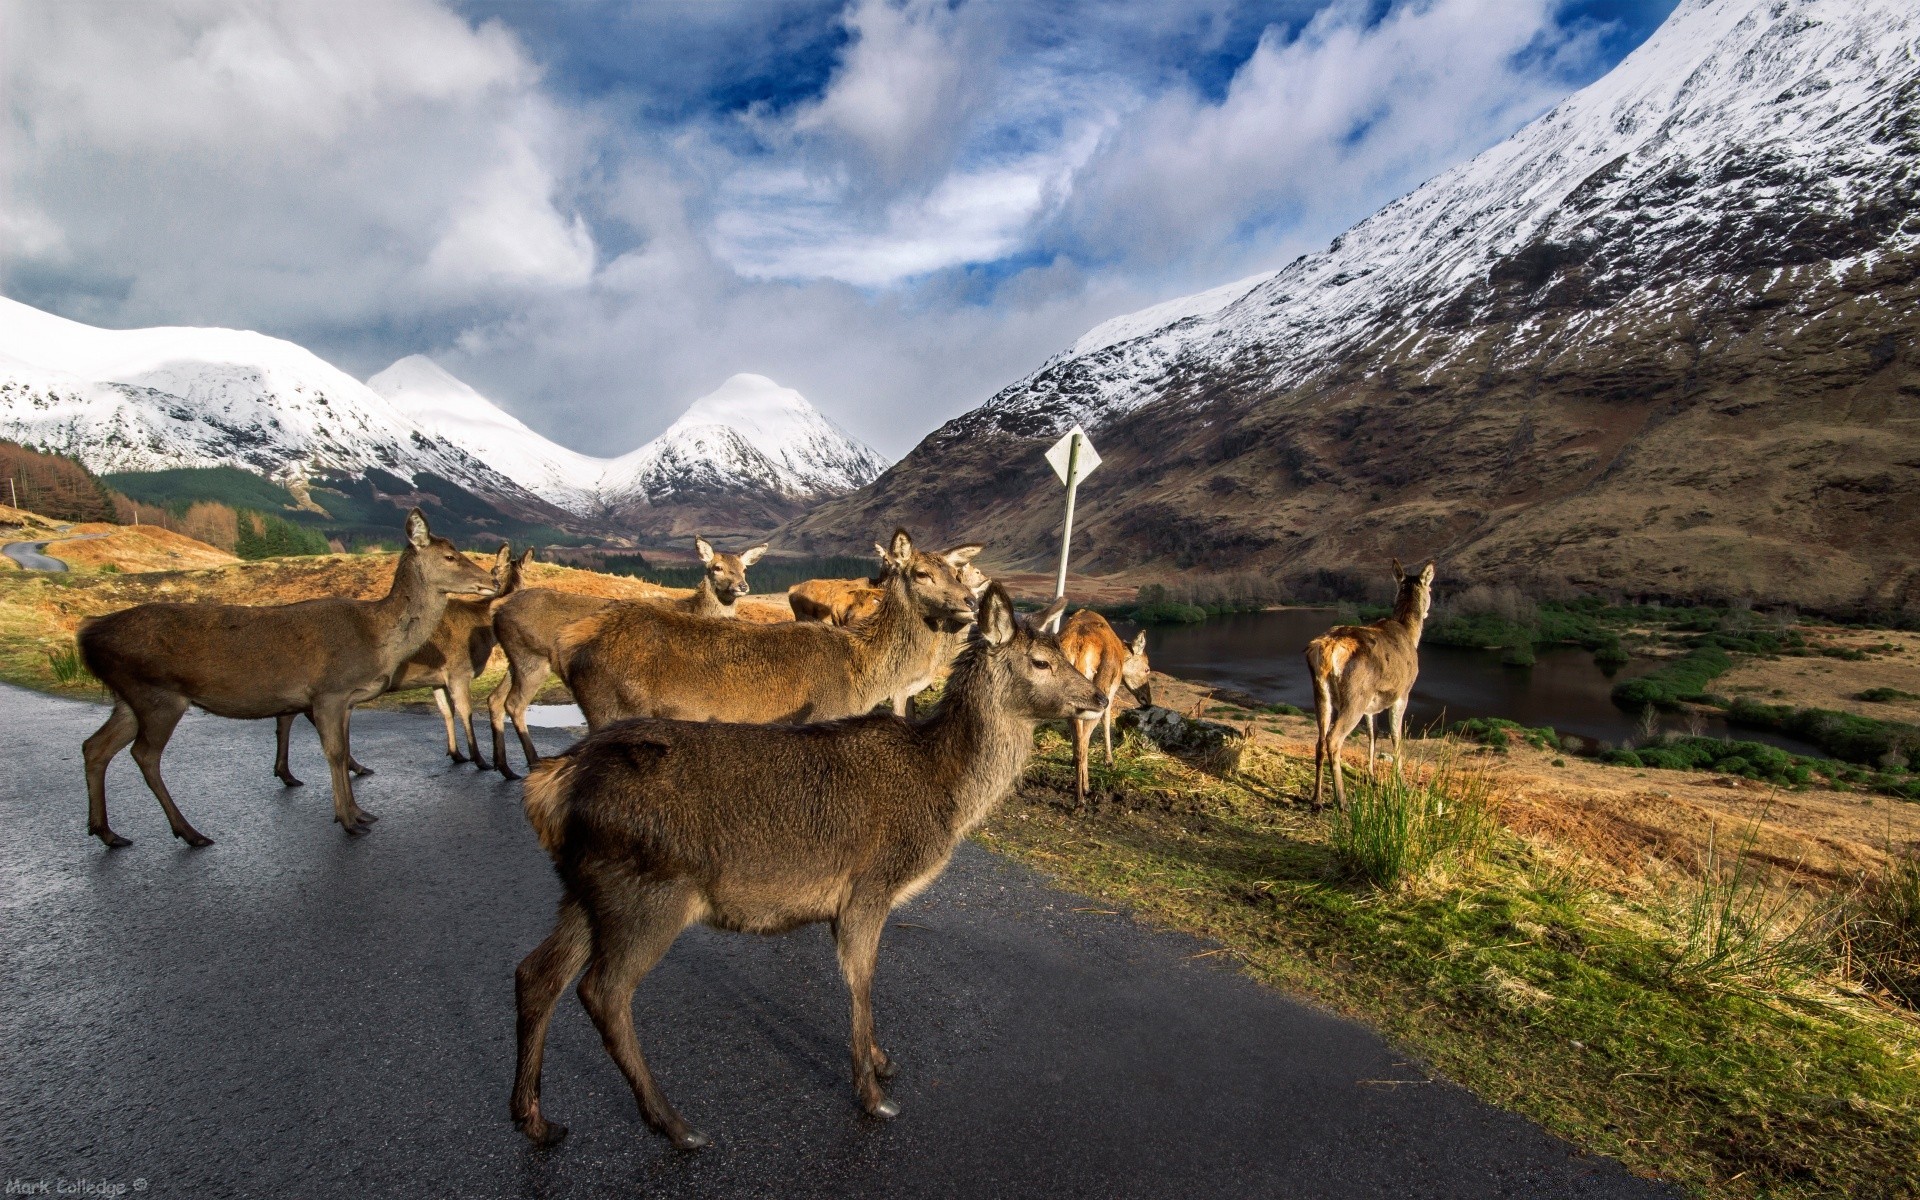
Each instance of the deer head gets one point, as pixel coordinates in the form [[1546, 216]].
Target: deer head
[[1415, 596], [442, 567], [1036, 681], [728, 572], [1135, 673], [935, 588]]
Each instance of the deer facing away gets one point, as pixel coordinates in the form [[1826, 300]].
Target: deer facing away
[[457, 652], [319, 657], [527, 625], [640, 660], [1097, 652], [1361, 670], [655, 825]]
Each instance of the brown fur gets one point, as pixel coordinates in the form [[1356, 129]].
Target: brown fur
[[1361, 670], [637, 660], [834, 601], [654, 825], [320, 657], [458, 651], [528, 626], [1097, 652]]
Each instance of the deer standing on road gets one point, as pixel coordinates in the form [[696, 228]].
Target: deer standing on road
[[527, 625], [320, 657], [448, 663], [1097, 652], [1361, 670], [655, 825], [640, 660]]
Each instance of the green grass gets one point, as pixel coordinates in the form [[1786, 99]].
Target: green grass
[[1514, 972], [1886, 695], [1393, 830], [64, 662]]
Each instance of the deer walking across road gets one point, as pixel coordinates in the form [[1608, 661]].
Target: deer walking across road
[[320, 657], [655, 825], [448, 663], [1097, 652], [1362, 670], [528, 624], [640, 660]]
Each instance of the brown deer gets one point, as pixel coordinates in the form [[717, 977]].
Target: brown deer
[[527, 624], [850, 601], [1097, 652], [640, 660], [1361, 670], [319, 657], [654, 825], [458, 651]]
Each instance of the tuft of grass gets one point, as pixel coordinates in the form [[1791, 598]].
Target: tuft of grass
[[1395, 827], [64, 662], [1732, 931], [1878, 937]]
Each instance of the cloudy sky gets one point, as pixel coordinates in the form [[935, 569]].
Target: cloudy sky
[[597, 212]]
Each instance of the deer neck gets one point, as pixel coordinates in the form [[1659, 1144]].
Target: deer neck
[[892, 645], [979, 746], [706, 601], [410, 611]]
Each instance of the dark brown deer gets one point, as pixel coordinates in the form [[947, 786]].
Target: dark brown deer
[[1097, 652], [448, 663], [527, 625], [1361, 670], [640, 660], [655, 825], [319, 657]]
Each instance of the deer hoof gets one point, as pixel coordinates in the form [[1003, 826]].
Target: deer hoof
[[112, 840], [456, 756], [193, 837], [689, 1139], [545, 1135], [885, 1110], [290, 781], [362, 772], [507, 772]]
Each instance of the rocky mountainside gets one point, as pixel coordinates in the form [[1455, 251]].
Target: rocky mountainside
[[1662, 340], [739, 460]]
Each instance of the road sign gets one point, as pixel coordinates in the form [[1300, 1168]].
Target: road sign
[[1073, 458]]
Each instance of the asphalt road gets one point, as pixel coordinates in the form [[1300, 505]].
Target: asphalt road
[[28, 555], [293, 1012]]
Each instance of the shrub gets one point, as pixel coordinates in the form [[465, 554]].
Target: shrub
[[1169, 612], [1500, 733], [1886, 695], [1392, 830], [1669, 685]]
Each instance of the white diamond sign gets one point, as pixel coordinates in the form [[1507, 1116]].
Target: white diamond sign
[[1062, 452]]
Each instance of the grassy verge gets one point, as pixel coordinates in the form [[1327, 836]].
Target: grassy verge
[[1522, 970]]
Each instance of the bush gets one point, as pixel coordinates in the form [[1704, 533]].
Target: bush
[[1844, 735], [1169, 612], [1669, 685], [1886, 695], [1500, 733], [261, 536], [1879, 936]]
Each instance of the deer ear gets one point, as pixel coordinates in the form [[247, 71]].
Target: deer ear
[[1398, 574], [526, 559], [752, 555], [901, 551], [1426, 573], [1044, 618], [960, 556], [703, 549], [503, 555], [417, 532], [996, 617], [1140, 642]]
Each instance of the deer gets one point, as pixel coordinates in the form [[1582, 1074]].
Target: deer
[[654, 825], [320, 657], [850, 601], [640, 660], [527, 624], [448, 663], [1363, 670], [1097, 652]]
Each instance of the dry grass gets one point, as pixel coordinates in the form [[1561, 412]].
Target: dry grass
[[1835, 683]]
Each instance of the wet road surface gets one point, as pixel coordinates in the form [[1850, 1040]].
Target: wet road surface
[[292, 1012], [28, 555]]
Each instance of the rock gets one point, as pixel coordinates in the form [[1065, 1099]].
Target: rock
[[1211, 744]]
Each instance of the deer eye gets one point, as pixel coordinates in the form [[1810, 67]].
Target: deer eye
[[923, 577], [1041, 664]]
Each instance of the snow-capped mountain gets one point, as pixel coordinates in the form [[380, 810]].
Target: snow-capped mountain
[[750, 434], [149, 399], [1663, 337]]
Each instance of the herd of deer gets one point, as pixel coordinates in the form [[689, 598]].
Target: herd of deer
[[752, 777]]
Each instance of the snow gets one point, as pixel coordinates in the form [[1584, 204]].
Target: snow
[[1805, 88]]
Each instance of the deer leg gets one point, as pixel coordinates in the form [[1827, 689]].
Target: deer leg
[[1336, 743], [629, 940], [1082, 742], [497, 718], [856, 934], [537, 985], [1372, 745], [446, 718], [98, 750], [1398, 716], [1106, 724], [282, 736], [330, 718], [460, 686], [1322, 726], [156, 726], [524, 684], [353, 764]]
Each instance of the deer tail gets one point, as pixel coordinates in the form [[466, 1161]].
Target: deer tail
[[547, 796]]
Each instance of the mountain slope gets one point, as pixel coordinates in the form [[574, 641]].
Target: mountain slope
[[740, 459], [1662, 339]]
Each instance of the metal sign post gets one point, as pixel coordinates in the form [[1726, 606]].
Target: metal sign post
[[1073, 458]]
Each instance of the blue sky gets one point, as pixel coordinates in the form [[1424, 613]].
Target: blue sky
[[597, 212]]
